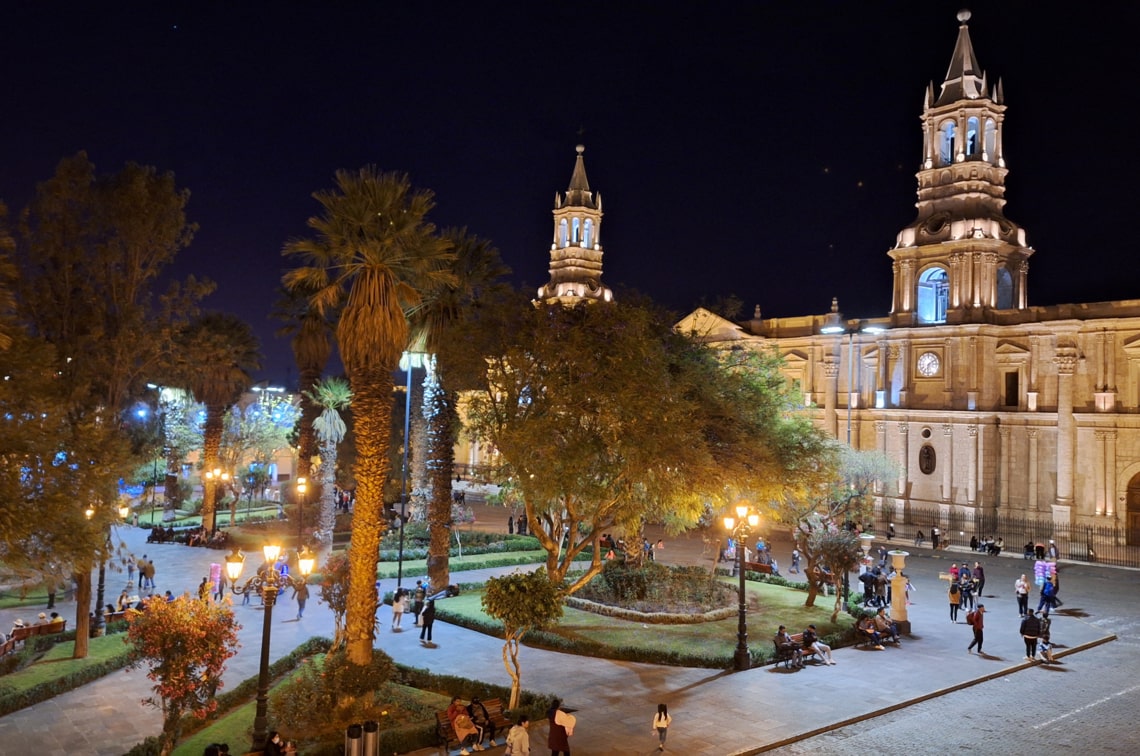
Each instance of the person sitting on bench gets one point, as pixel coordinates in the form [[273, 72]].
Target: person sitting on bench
[[786, 645]]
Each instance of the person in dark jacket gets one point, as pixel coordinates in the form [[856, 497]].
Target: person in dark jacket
[[427, 619], [1030, 630]]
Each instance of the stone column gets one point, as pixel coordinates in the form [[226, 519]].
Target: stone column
[[1003, 494], [1031, 502], [1100, 473], [948, 463], [1066, 362], [904, 455], [831, 374], [1110, 473], [972, 476]]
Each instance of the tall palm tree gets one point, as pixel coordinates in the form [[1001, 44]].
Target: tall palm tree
[[372, 259], [312, 346], [477, 267], [330, 396], [218, 355]]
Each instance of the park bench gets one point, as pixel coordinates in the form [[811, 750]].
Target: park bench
[[498, 717], [21, 634], [786, 656], [114, 617], [763, 569], [446, 732]]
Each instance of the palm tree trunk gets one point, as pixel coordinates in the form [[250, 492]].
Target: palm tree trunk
[[439, 409], [327, 471], [82, 612], [306, 435], [372, 412], [211, 445]]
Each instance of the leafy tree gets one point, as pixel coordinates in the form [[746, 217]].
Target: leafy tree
[[477, 267], [185, 643], [522, 601], [254, 431], [371, 260], [604, 417], [334, 592], [219, 353], [330, 396], [845, 499]]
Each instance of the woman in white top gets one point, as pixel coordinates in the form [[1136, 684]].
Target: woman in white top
[[1021, 589], [399, 606], [661, 722], [518, 739]]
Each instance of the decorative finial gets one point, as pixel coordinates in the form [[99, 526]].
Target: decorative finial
[[835, 304], [963, 15], [580, 148]]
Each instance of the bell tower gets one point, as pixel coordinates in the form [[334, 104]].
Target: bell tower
[[961, 257], [576, 250]]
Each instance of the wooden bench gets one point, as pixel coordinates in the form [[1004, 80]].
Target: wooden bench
[[115, 617], [447, 737], [763, 569], [498, 717], [21, 634], [787, 655]]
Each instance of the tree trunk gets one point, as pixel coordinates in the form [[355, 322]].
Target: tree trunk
[[327, 472], [82, 613], [306, 435], [372, 411], [439, 410], [211, 445], [511, 664]]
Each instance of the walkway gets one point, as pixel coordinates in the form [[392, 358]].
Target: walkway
[[716, 712]]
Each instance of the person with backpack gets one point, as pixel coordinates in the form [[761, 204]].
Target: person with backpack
[[1048, 597], [975, 620], [955, 599], [1030, 631]]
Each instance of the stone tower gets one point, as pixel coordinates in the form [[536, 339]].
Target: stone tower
[[576, 250], [961, 257]]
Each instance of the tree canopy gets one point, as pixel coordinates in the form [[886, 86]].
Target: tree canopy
[[604, 417]]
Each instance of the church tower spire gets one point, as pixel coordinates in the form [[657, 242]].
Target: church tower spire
[[576, 250], [961, 257]]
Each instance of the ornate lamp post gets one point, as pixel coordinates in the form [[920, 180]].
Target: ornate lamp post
[[216, 478], [408, 361], [741, 528], [302, 489], [270, 584], [99, 622]]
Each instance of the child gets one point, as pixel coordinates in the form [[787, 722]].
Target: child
[[661, 722], [399, 605]]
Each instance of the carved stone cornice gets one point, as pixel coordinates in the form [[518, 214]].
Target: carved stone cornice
[[1066, 360]]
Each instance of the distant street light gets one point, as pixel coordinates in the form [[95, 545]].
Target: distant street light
[[302, 489], [741, 528]]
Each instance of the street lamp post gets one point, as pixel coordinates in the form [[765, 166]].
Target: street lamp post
[[407, 361], [216, 479], [270, 584], [302, 489], [741, 528], [99, 622]]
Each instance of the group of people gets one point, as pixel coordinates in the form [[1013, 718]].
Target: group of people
[[145, 569], [966, 587], [878, 628], [472, 723], [798, 652], [987, 544], [516, 525]]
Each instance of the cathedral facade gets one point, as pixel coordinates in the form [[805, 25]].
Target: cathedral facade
[[989, 405]]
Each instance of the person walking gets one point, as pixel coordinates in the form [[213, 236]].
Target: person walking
[[661, 721], [419, 593], [130, 570], [979, 578], [1030, 630], [1021, 590], [977, 623], [955, 595], [1048, 597], [204, 590], [301, 593], [399, 606], [561, 729], [142, 572], [427, 619]]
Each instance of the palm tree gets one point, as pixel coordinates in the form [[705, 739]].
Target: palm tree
[[477, 267], [311, 350], [371, 261], [218, 354], [329, 395]]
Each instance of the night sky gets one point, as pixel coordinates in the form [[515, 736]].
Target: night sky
[[765, 150]]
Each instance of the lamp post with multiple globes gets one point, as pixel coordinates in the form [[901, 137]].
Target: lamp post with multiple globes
[[270, 583], [741, 528], [99, 622], [216, 478]]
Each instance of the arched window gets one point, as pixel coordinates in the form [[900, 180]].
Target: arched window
[[1004, 289], [562, 234], [946, 142], [933, 294], [973, 136], [576, 234], [587, 240], [991, 140]]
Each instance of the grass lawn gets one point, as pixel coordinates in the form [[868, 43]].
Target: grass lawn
[[769, 607], [418, 567], [57, 662]]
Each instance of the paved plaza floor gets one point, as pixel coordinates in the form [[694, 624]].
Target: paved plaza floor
[[715, 712]]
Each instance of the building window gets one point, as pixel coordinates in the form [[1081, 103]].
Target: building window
[[1004, 289], [972, 136], [933, 295], [563, 236], [991, 140], [946, 143], [587, 235], [1011, 389], [576, 236]]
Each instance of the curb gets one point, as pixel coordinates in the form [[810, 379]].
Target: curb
[[917, 700]]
